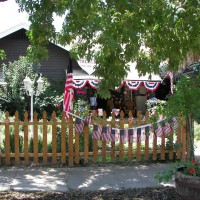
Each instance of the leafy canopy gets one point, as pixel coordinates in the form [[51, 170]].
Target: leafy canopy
[[117, 32]]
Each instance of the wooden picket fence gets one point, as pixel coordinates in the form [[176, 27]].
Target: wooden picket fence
[[70, 153]]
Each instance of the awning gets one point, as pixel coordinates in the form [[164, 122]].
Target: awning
[[133, 81]]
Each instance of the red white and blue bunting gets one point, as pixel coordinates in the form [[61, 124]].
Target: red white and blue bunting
[[94, 83], [132, 85], [151, 86], [79, 84]]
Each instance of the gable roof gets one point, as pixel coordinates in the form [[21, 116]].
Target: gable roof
[[25, 26], [14, 29]]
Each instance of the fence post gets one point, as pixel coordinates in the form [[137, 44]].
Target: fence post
[[154, 145], [7, 139], [146, 156], [44, 138], [113, 143], [86, 141], [104, 142], [95, 143], [26, 123], [162, 153], [130, 144], [63, 139], [138, 151], [54, 138], [71, 154], [121, 144], [16, 138]]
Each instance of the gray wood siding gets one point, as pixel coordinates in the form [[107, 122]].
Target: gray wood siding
[[54, 68]]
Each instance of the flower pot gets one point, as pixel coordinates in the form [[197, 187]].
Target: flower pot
[[188, 187]]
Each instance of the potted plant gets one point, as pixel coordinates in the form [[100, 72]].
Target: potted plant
[[187, 178]]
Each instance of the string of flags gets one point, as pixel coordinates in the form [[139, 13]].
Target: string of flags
[[134, 134]]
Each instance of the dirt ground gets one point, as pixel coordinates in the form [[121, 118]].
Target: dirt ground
[[164, 193]]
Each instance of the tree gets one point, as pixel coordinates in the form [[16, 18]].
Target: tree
[[14, 74], [2, 54], [185, 102], [117, 32], [15, 97]]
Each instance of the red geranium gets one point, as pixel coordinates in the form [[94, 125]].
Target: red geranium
[[193, 162], [192, 171], [58, 107]]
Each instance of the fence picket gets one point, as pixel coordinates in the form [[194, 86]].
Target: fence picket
[[95, 142], [171, 146], [162, 157], [146, 156], [7, 139], [16, 138], [72, 153], [35, 135], [112, 159], [63, 139], [26, 154], [130, 144], [104, 142], [154, 146], [121, 144], [44, 138], [138, 151], [70, 140], [54, 138], [86, 142]]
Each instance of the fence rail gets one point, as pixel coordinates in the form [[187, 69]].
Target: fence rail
[[55, 141]]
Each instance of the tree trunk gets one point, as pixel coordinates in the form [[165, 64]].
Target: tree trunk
[[190, 135]]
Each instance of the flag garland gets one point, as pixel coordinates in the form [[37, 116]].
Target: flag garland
[[114, 135], [97, 132], [134, 134], [166, 128], [79, 125], [123, 136], [105, 133]]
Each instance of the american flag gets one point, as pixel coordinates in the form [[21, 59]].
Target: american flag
[[139, 131], [147, 132], [175, 123], [158, 130], [143, 136], [69, 91], [123, 136], [79, 124], [130, 135], [112, 135], [97, 132], [87, 119], [166, 128], [105, 133]]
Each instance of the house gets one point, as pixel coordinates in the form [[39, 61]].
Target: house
[[134, 91], [15, 42]]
